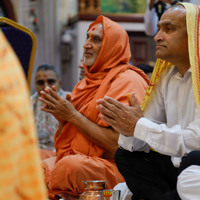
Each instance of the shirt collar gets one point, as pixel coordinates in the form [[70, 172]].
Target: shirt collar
[[174, 71]]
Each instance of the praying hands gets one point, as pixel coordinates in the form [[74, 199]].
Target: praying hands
[[62, 109], [122, 118]]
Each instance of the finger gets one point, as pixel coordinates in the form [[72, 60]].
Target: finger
[[47, 104], [106, 111], [49, 97], [129, 96], [42, 92], [47, 110], [105, 105], [108, 120], [54, 93], [46, 89], [114, 102], [99, 101], [68, 97], [54, 88], [133, 101], [51, 91]]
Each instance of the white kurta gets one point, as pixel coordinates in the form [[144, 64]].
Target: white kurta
[[171, 122]]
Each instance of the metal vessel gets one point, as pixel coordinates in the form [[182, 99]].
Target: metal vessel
[[93, 190]]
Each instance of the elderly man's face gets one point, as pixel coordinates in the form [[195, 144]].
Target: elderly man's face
[[172, 39], [46, 78], [93, 44]]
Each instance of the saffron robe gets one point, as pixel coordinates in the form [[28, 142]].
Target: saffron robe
[[77, 158]]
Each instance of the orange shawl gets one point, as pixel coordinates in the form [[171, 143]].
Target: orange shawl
[[112, 60]]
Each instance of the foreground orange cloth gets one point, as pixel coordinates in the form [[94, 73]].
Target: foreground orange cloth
[[78, 158], [21, 175]]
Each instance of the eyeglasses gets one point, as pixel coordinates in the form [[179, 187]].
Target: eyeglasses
[[49, 81]]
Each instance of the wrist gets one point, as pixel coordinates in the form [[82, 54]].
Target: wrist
[[76, 118]]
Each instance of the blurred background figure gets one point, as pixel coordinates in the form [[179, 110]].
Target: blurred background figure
[[154, 11], [82, 71], [147, 68], [46, 75], [21, 175]]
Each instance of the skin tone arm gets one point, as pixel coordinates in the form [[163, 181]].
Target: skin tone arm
[[64, 111], [122, 118]]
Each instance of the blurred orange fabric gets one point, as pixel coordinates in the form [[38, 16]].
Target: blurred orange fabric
[[21, 175]]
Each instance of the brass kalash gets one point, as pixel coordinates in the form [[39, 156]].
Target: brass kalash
[[96, 190]]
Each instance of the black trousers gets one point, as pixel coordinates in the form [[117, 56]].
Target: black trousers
[[152, 176]]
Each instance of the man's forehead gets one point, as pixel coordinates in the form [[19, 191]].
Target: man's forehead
[[166, 22], [46, 73], [96, 28], [173, 16], [176, 10]]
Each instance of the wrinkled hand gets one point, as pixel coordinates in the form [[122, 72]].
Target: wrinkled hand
[[62, 109], [121, 117]]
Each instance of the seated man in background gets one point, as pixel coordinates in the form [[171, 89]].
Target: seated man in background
[[81, 70], [157, 154], [46, 75], [21, 175], [85, 145]]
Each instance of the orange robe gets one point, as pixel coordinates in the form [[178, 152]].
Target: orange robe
[[79, 159]]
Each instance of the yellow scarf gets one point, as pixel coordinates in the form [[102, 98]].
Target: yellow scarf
[[193, 31]]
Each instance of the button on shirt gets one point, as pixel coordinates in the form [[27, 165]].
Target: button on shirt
[[171, 122]]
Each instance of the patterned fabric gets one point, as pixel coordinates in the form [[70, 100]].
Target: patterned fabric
[[193, 30], [46, 123], [160, 66], [21, 174]]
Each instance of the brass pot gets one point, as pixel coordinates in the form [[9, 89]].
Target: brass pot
[[93, 190]]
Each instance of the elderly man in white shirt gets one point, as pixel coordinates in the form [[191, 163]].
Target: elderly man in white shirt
[[156, 154]]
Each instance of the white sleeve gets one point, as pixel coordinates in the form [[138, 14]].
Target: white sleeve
[[125, 193], [171, 122], [173, 141], [164, 126], [188, 184], [150, 22], [133, 144]]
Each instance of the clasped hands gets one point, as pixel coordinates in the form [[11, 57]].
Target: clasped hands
[[121, 117], [62, 109]]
